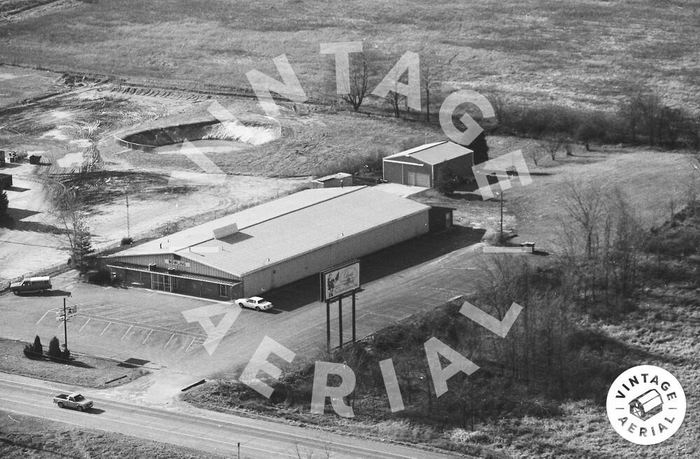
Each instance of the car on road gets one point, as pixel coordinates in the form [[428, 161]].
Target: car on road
[[74, 401], [254, 302]]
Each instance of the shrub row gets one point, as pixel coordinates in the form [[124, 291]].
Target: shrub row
[[36, 350], [642, 118]]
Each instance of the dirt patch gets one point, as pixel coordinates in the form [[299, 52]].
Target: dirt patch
[[57, 129], [249, 129]]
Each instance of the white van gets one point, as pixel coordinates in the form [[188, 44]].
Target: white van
[[31, 284]]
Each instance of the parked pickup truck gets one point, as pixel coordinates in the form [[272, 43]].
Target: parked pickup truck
[[31, 285], [74, 401]]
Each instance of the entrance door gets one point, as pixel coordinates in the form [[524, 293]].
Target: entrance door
[[411, 178], [415, 178], [161, 282]]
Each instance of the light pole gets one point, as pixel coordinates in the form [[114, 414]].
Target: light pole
[[500, 196], [500, 238], [64, 317], [128, 225], [65, 326]]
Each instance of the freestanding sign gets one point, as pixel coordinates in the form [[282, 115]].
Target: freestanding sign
[[336, 282]]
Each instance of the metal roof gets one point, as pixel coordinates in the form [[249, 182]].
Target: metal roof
[[178, 274], [285, 228], [434, 153], [245, 218], [338, 176]]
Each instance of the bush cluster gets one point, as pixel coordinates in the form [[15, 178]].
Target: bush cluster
[[642, 118], [36, 350]]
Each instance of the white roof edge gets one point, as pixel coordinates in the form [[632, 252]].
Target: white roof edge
[[139, 254], [416, 149]]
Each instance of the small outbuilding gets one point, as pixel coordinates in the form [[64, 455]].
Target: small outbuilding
[[340, 179], [426, 164]]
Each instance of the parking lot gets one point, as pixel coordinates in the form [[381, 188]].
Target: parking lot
[[111, 322], [135, 323]]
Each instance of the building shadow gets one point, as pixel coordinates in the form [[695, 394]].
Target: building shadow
[[34, 227], [381, 264], [17, 189], [20, 214]]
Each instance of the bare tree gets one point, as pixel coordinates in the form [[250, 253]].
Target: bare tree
[[534, 154], [584, 205], [70, 212], [432, 71], [552, 146], [499, 104], [394, 99], [359, 77]]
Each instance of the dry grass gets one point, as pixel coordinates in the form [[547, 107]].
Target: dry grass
[[654, 181], [84, 371], [29, 437], [582, 52], [668, 331]]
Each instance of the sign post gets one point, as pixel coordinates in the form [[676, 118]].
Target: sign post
[[340, 322], [328, 326], [353, 317], [336, 283]]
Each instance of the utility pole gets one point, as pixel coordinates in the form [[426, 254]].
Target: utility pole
[[128, 225], [501, 236], [65, 325], [500, 196]]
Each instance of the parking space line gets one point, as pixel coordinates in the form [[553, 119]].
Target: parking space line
[[191, 343], [171, 337], [127, 332], [103, 331], [43, 317], [94, 308], [86, 322], [147, 336]]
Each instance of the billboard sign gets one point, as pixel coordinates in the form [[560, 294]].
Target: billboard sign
[[338, 281], [177, 263]]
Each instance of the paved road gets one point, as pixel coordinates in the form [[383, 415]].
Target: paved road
[[185, 426]]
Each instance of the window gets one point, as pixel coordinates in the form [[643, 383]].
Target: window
[[223, 290]]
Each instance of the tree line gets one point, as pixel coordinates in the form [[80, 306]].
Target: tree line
[[640, 118]]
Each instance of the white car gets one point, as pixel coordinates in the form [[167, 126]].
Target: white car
[[254, 302]]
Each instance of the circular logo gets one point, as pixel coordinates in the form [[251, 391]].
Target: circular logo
[[646, 405]]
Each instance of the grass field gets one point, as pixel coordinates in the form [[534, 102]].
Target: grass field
[[575, 52], [83, 371], [28, 437]]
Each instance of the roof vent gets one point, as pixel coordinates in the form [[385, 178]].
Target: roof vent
[[224, 231]]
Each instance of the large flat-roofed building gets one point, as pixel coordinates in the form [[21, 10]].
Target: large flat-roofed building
[[273, 244]]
